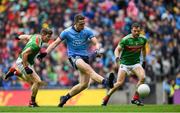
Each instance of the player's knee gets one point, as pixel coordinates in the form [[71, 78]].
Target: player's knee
[[142, 79], [88, 69], [119, 83], [38, 82]]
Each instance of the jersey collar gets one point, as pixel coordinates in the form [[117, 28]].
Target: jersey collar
[[75, 29]]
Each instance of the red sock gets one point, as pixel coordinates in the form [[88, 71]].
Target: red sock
[[106, 98], [12, 69], [136, 96]]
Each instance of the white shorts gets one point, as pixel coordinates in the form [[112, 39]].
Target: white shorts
[[21, 67], [128, 68]]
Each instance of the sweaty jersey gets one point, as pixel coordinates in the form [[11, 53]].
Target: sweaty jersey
[[131, 49], [35, 43], [77, 42]]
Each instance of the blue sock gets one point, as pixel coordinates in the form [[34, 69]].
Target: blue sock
[[104, 82]]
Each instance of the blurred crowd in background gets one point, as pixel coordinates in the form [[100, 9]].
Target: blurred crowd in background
[[110, 21]]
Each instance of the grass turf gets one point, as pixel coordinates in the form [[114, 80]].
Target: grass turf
[[95, 109]]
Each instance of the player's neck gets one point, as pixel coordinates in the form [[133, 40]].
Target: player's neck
[[134, 36], [75, 28]]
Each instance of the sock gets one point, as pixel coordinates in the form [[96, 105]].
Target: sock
[[106, 98], [104, 82], [12, 69], [33, 98], [136, 96], [68, 96], [10, 72]]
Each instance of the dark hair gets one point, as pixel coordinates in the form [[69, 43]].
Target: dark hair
[[45, 31], [135, 25], [78, 17]]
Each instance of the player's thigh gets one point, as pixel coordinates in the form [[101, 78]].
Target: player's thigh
[[82, 65], [31, 78], [35, 77], [20, 68], [83, 78], [121, 75], [139, 71]]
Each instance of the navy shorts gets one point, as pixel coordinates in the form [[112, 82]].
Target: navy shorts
[[73, 59]]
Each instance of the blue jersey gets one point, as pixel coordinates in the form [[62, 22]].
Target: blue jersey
[[77, 42]]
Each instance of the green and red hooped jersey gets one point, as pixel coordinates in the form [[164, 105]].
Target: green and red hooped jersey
[[131, 49], [34, 43]]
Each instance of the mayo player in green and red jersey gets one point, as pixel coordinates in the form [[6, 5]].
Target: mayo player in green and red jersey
[[130, 48], [24, 63]]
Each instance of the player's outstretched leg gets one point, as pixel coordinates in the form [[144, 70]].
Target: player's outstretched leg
[[109, 82], [140, 73], [105, 100]]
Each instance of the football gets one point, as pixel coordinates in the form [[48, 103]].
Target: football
[[143, 90]]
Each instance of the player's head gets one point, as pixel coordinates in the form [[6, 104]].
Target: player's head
[[79, 22], [136, 29], [46, 34]]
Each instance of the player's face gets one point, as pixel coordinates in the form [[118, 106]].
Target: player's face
[[135, 31], [80, 25], [47, 37]]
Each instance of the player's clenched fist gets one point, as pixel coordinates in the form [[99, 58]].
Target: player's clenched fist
[[41, 55], [28, 70]]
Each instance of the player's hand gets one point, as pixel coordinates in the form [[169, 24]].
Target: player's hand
[[41, 56], [28, 70], [144, 64], [98, 53], [16, 36]]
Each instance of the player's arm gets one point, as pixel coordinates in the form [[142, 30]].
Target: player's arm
[[95, 42], [24, 37], [117, 52], [25, 55], [144, 53], [50, 48], [53, 45]]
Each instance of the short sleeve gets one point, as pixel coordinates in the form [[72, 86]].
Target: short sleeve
[[122, 43], [63, 35], [144, 39], [90, 34]]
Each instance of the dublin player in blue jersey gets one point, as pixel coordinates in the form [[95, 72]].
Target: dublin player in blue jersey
[[78, 38]]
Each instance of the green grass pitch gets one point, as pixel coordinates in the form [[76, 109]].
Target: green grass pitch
[[95, 109]]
